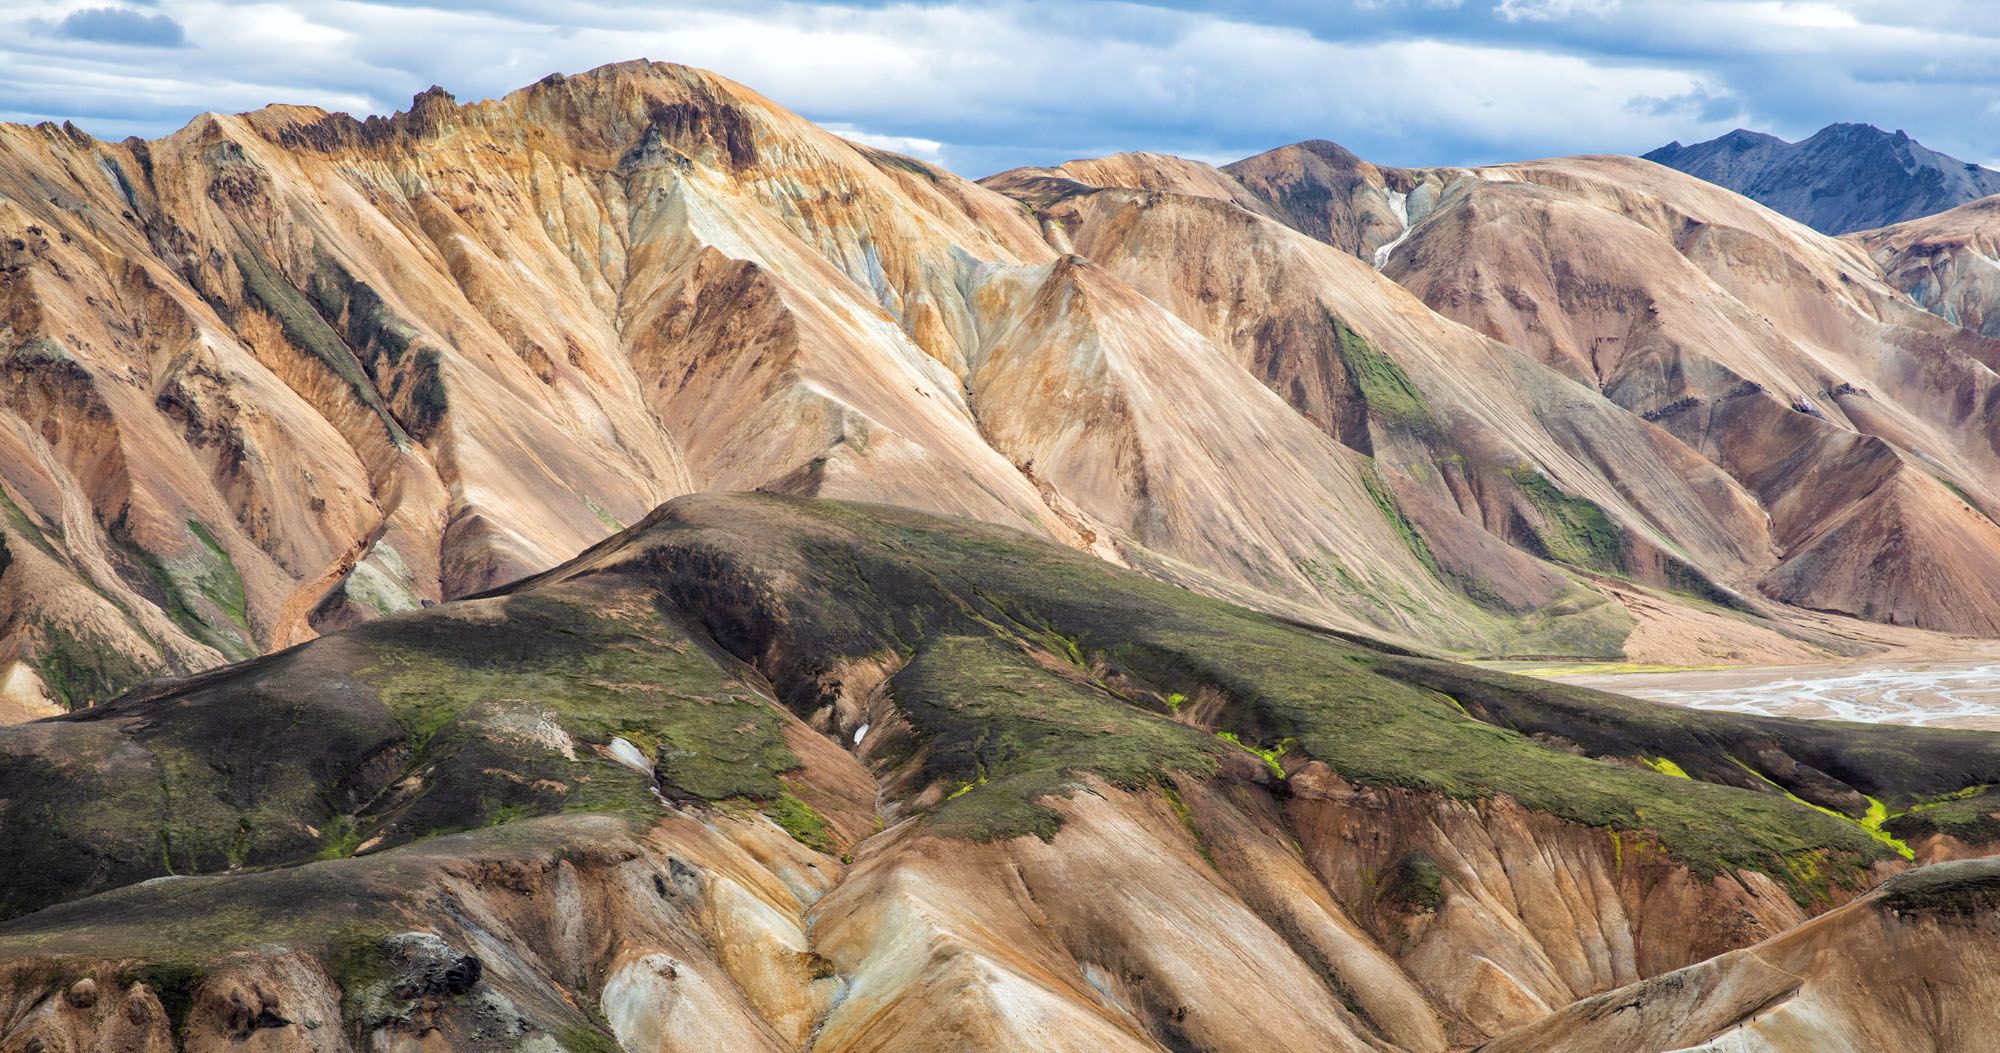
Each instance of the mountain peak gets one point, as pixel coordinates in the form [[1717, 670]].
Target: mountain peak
[[1845, 177]]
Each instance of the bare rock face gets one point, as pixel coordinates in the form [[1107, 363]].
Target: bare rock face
[[1907, 964], [1945, 262]]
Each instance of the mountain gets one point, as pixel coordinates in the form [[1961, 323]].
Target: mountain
[[768, 773], [281, 372], [618, 567], [1948, 263], [286, 371], [1697, 355], [1845, 177]]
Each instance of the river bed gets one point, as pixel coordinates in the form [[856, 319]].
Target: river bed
[[1929, 694]]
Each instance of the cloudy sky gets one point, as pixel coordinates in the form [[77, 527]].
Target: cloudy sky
[[985, 86]]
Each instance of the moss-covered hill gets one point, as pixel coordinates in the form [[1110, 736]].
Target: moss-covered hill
[[1014, 668]]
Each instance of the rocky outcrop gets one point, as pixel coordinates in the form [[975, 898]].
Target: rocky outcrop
[[1907, 965]]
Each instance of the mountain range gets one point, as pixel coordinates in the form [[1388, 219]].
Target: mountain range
[[620, 566], [1843, 178]]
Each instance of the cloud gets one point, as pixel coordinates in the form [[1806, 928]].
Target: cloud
[[916, 146], [990, 85], [1551, 10], [121, 25]]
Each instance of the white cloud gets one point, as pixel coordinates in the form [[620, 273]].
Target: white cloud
[[930, 150], [989, 85], [1551, 10]]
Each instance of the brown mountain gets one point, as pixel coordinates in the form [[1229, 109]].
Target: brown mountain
[[1946, 262], [1074, 683], [284, 371]]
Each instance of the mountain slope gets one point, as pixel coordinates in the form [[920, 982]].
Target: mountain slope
[[1466, 464], [1848, 425], [1030, 798], [1778, 354], [284, 371], [1911, 960], [1845, 177], [1946, 263]]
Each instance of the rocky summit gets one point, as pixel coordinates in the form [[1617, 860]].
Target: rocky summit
[[617, 567]]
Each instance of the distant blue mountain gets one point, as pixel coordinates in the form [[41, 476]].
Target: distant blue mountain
[[1846, 177]]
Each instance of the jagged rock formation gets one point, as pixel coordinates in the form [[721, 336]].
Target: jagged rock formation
[[1845, 177], [764, 773]]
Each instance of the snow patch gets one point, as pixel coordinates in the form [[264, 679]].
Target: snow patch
[[1399, 206], [630, 756]]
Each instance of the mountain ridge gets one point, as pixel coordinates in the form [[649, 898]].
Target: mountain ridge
[[1843, 178]]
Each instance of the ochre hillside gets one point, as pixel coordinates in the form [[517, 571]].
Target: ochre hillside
[[287, 371]]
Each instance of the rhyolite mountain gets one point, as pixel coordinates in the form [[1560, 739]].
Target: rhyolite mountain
[[1009, 615], [283, 372], [769, 773], [1842, 178], [1949, 263]]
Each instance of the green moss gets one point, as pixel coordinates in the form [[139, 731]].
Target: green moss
[[21, 523], [219, 581], [995, 719], [1269, 756], [1186, 816], [80, 667], [605, 667], [1871, 821], [799, 819], [1385, 502], [1666, 766], [202, 593], [1960, 493], [1390, 395], [1414, 884], [341, 839], [1971, 815], [586, 1038], [265, 287], [603, 515], [1375, 719], [1575, 530]]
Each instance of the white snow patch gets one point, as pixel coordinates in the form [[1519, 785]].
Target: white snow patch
[[1399, 205], [630, 756]]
